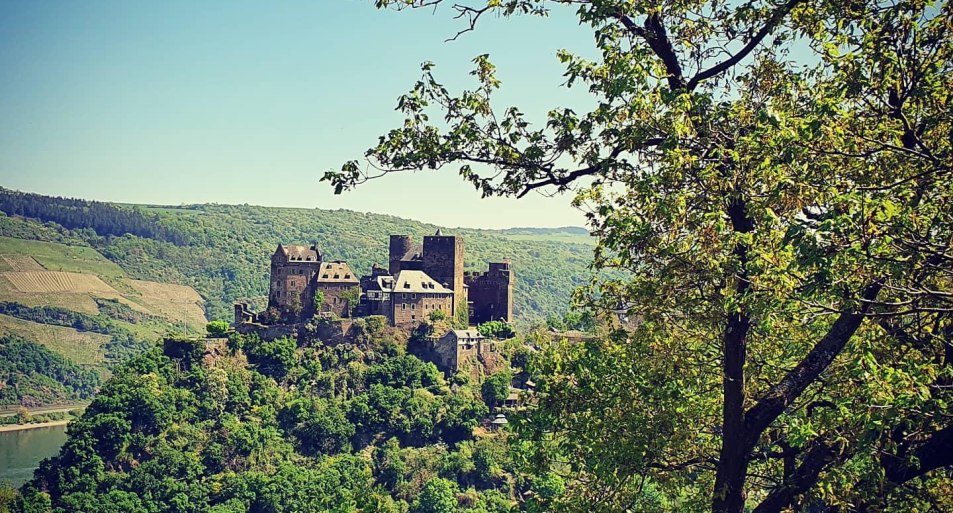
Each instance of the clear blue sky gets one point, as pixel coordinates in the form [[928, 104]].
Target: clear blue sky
[[243, 101]]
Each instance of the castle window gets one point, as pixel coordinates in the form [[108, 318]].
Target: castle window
[[413, 296], [403, 306], [413, 306]]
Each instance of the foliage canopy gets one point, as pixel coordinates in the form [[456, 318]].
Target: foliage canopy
[[774, 177]]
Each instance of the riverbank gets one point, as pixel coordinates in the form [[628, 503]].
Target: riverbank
[[37, 425]]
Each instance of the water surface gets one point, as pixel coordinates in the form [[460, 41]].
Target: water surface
[[22, 451]]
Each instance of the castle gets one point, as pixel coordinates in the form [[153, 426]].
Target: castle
[[419, 280]]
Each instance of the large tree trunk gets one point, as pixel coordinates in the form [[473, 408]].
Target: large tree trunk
[[732, 469]]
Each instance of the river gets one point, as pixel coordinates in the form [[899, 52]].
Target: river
[[22, 451]]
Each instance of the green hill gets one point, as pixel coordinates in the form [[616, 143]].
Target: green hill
[[222, 251]]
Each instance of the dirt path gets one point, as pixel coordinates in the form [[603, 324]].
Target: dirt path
[[21, 427], [56, 408]]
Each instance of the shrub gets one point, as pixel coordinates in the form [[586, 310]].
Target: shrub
[[216, 328]]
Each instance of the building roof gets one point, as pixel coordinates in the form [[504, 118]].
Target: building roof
[[418, 281], [382, 282], [469, 333], [336, 272], [299, 253]]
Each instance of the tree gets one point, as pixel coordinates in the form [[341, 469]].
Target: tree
[[773, 176], [352, 297], [438, 496], [273, 357], [461, 317], [293, 313], [216, 328], [496, 388], [318, 301], [23, 415], [496, 329]]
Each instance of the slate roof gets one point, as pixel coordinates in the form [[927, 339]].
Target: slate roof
[[469, 333], [336, 272], [299, 253], [382, 282], [418, 281]]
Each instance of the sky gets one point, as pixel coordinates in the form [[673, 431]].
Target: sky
[[241, 101]]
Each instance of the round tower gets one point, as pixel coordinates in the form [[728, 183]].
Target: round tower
[[400, 245]]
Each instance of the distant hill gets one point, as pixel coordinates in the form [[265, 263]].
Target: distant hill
[[222, 251], [556, 232], [565, 234], [66, 311]]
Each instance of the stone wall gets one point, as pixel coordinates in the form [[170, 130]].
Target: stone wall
[[291, 283], [400, 247], [476, 359], [270, 331], [491, 294], [443, 261], [334, 301], [410, 309]]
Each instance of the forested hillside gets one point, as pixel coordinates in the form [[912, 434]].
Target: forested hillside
[[274, 427], [31, 374], [223, 251]]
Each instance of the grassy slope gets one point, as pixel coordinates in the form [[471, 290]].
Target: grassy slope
[[61, 257], [81, 348]]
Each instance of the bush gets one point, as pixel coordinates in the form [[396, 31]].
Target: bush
[[274, 357], [496, 329], [216, 328]]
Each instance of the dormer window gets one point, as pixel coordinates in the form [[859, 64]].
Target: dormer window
[[337, 276], [347, 276], [324, 275]]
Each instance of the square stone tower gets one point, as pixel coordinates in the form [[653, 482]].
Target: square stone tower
[[443, 261]]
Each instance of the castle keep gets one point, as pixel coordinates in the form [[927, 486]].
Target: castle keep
[[418, 281], [298, 274]]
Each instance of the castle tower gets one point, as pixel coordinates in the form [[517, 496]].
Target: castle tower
[[400, 246], [503, 279], [443, 260], [491, 293]]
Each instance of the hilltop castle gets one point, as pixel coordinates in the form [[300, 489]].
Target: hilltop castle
[[418, 281]]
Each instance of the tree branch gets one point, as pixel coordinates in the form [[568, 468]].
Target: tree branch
[[936, 452], [802, 479], [776, 400], [566, 179], [768, 27], [653, 32]]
